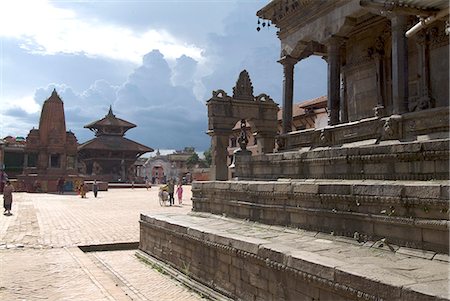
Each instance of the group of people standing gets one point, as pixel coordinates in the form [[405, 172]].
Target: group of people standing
[[171, 190], [166, 193], [83, 189]]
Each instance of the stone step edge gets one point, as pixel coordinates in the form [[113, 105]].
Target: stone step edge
[[192, 284], [439, 224], [326, 277]]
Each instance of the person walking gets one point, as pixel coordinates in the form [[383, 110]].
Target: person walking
[[60, 185], [180, 194], [7, 197], [170, 190], [83, 190], [95, 188], [147, 183]]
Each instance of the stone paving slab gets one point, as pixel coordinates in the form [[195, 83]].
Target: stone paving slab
[[40, 260], [141, 281], [353, 264]]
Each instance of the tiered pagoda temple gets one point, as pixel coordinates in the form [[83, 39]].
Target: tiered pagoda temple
[[51, 151], [110, 156]]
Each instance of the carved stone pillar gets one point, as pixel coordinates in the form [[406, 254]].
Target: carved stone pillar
[[399, 64], [423, 54], [219, 145], [288, 63], [266, 142], [334, 79]]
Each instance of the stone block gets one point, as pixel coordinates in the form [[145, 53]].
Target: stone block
[[378, 168], [394, 232], [416, 253], [378, 190], [275, 252], [305, 188], [258, 282], [224, 258], [222, 185], [402, 167], [442, 257], [327, 295], [312, 263], [442, 166], [423, 191], [298, 218], [372, 279], [340, 189], [436, 237], [282, 187]]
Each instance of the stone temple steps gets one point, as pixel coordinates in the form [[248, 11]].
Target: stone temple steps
[[404, 213], [251, 261]]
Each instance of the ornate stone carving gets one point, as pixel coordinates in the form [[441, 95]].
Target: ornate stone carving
[[390, 128], [324, 137], [243, 140], [281, 142], [219, 94], [379, 111], [244, 88], [264, 97], [438, 38]]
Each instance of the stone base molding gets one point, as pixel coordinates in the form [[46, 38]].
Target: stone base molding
[[403, 213], [250, 261]]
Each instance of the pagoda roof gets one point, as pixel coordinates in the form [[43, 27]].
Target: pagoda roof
[[114, 143], [110, 120]]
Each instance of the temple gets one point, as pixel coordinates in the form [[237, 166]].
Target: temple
[[355, 210], [110, 156], [50, 151]]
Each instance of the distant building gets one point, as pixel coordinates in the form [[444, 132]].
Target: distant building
[[161, 168], [13, 155], [309, 114], [110, 156]]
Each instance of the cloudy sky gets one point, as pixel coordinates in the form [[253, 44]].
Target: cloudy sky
[[155, 62]]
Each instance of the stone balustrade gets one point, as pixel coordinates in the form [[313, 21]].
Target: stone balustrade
[[410, 126], [390, 160]]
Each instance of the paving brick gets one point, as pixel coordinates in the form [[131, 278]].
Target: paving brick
[[36, 263]]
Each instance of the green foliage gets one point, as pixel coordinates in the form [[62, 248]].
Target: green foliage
[[192, 160], [208, 156]]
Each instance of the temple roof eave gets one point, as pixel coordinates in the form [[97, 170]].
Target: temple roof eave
[[114, 143], [110, 122]]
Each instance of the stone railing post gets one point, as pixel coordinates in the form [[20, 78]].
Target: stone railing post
[[219, 145], [288, 63]]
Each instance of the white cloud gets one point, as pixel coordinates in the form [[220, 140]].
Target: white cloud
[[45, 29], [25, 103]]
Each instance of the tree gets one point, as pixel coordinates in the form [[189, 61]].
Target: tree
[[192, 160], [208, 156]]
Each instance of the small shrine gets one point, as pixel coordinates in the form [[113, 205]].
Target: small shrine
[[50, 151], [110, 156]]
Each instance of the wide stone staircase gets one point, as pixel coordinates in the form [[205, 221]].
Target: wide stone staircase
[[366, 220]]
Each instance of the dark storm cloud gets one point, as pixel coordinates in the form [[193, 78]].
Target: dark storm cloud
[[166, 98], [22, 114]]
